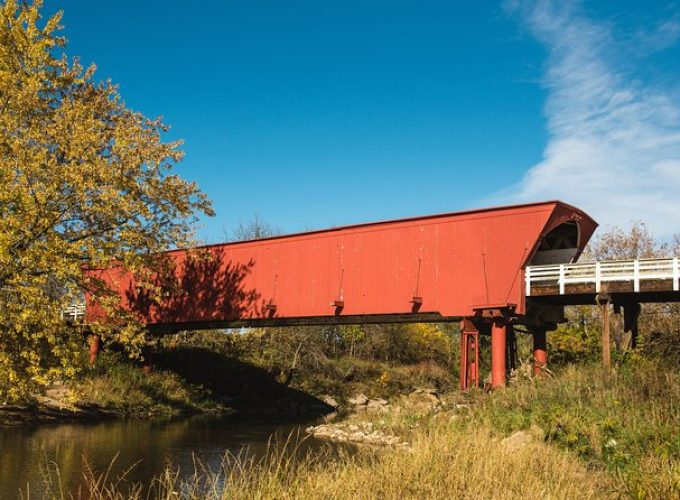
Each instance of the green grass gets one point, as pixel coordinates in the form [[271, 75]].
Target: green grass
[[122, 387], [626, 421]]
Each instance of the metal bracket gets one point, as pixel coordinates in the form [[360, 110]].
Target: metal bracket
[[270, 307], [495, 310], [602, 298]]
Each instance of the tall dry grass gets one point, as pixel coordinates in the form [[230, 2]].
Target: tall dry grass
[[442, 462]]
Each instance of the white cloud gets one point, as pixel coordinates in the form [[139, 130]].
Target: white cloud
[[614, 142], [667, 33]]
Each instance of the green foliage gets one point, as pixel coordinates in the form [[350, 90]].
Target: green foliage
[[413, 343], [345, 377], [578, 340], [400, 344]]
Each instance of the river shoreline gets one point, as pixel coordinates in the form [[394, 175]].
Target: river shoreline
[[49, 411], [19, 415]]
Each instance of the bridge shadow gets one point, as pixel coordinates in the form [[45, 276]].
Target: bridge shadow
[[201, 287], [242, 386]]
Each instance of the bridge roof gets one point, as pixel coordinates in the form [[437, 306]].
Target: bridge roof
[[497, 209]]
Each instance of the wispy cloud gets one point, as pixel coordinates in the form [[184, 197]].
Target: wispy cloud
[[614, 141], [666, 34]]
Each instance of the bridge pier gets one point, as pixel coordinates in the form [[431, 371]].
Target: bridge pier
[[540, 349], [498, 352], [469, 355], [94, 340]]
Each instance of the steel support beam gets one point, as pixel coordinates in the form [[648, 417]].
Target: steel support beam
[[498, 352], [540, 350], [94, 341], [469, 355]]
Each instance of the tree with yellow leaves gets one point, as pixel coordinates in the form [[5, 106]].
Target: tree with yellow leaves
[[85, 182]]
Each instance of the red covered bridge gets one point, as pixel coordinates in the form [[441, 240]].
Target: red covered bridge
[[465, 266]]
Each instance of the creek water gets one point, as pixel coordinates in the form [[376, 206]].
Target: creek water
[[148, 446]]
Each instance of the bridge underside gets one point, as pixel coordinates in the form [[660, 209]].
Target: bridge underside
[[643, 290], [375, 319], [591, 298]]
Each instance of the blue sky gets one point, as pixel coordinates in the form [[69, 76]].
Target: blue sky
[[314, 114]]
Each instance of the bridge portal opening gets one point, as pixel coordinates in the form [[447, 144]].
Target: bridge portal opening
[[559, 246]]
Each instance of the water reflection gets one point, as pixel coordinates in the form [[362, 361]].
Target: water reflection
[[151, 445]]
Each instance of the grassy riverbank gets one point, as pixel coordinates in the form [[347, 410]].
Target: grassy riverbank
[[114, 388], [582, 434], [204, 377], [190, 379], [627, 422], [125, 389]]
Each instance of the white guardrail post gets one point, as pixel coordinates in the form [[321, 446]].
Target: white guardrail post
[[636, 275], [598, 277], [676, 274], [527, 281], [561, 282]]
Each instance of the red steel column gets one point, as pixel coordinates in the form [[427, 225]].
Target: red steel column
[[473, 374], [498, 347], [540, 350], [464, 351], [94, 348], [469, 355]]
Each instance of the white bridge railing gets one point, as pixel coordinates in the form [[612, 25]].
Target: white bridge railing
[[598, 273], [74, 312]]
